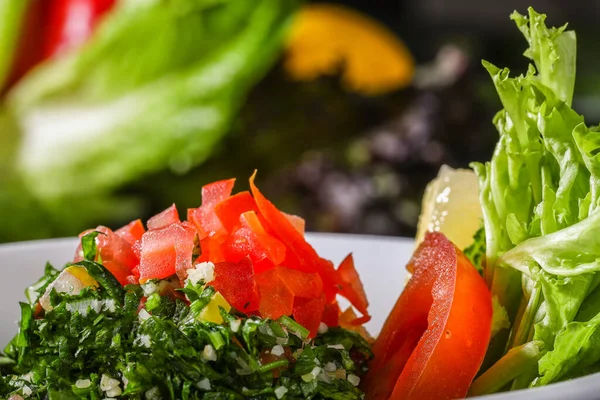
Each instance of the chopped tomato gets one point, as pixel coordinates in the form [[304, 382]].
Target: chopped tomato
[[351, 285], [165, 218], [276, 299], [297, 222], [244, 243], [235, 281], [206, 221], [132, 232], [303, 256], [331, 314], [302, 284], [308, 312], [435, 338], [167, 251], [230, 209], [72, 22]]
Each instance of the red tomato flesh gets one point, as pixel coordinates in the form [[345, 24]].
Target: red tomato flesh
[[434, 340], [132, 232], [165, 218], [167, 251]]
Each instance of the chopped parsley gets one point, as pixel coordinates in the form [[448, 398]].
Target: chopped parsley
[[112, 342]]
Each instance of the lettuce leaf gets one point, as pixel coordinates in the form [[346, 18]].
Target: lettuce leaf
[[12, 15], [539, 195], [157, 86]]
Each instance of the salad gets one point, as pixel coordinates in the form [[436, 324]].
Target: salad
[[234, 303]]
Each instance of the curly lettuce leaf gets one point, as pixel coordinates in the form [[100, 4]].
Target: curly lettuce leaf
[[539, 195]]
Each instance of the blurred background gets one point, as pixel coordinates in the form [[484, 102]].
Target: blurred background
[[114, 109]]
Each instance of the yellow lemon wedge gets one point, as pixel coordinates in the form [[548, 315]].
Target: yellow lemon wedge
[[72, 280], [451, 206], [325, 37], [211, 313]]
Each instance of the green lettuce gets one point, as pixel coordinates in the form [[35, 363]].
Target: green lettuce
[[156, 86], [539, 194], [12, 15]]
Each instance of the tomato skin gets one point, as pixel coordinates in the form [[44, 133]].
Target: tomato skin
[[230, 277], [436, 336], [71, 23]]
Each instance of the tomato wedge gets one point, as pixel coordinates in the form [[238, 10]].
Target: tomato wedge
[[351, 286], [435, 338]]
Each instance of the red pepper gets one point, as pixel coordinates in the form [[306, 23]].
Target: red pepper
[[436, 336]]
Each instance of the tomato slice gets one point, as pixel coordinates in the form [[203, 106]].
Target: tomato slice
[[132, 232], [72, 22], [436, 336], [167, 251], [230, 209], [206, 221], [164, 218], [351, 286], [235, 281]]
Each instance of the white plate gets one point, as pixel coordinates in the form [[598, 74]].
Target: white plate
[[380, 262]]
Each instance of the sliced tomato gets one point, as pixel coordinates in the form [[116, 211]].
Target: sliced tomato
[[302, 256], [436, 336], [351, 286], [236, 282], [276, 299], [167, 251], [308, 313], [229, 210], [132, 232], [206, 221], [165, 218], [72, 22]]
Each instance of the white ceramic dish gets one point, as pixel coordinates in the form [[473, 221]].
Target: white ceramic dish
[[380, 262]]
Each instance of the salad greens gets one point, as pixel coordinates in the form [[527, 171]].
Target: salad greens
[[149, 341], [148, 100], [539, 194]]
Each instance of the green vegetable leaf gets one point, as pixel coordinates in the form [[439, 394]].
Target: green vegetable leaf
[[476, 251], [12, 15], [164, 104], [88, 245]]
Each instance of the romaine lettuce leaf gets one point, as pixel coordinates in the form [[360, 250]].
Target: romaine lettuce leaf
[[539, 194], [157, 86]]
